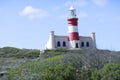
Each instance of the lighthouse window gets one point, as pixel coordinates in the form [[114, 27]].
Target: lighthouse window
[[58, 44], [87, 44], [76, 45], [64, 44], [82, 44]]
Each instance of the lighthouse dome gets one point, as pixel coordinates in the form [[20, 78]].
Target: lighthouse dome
[[72, 8]]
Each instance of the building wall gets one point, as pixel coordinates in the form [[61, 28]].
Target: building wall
[[63, 42], [84, 42]]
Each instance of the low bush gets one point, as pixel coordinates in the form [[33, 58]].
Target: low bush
[[108, 72]]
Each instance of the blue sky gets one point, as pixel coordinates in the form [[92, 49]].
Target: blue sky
[[27, 23]]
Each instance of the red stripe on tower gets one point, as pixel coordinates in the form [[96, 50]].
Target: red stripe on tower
[[73, 36], [72, 21], [72, 26]]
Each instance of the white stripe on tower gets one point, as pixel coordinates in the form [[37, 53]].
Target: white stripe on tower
[[72, 29]]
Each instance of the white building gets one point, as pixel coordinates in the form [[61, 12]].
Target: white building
[[73, 40]]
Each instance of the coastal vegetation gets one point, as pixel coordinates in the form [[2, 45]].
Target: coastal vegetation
[[68, 65]]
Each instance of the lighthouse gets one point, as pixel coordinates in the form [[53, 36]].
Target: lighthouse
[[73, 40], [73, 35]]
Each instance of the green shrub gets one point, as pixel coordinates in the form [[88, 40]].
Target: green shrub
[[32, 54], [19, 53], [108, 72], [47, 69], [8, 51]]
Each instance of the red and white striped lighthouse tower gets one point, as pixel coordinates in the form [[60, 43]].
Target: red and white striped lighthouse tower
[[73, 35]]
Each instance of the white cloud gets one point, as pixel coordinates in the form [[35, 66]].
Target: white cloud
[[63, 16], [83, 15], [56, 7], [80, 3], [100, 2], [32, 13], [109, 20]]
